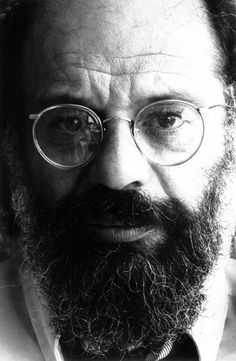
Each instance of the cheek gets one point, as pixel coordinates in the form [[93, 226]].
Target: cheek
[[48, 182], [188, 181], [53, 184]]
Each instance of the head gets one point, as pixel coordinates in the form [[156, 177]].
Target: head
[[122, 246]]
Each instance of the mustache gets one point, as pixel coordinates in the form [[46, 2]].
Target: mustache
[[127, 207]]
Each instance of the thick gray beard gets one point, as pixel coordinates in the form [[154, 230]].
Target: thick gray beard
[[165, 287]]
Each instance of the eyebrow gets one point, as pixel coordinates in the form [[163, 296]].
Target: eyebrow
[[54, 98], [184, 96], [50, 99]]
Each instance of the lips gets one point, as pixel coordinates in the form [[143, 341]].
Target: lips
[[119, 233]]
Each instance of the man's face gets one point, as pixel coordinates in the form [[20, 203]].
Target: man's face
[[116, 58], [120, 236]]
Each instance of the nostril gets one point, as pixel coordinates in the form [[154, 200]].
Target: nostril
[[134, 185]]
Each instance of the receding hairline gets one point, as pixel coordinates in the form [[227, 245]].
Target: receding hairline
[[219, 14]]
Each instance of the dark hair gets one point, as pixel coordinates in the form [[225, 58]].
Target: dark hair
[[15, 18], [222, 16]]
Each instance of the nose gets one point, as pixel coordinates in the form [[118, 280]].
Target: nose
[[119, 163]]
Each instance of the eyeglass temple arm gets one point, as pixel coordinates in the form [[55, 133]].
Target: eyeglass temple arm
[[205, 110]]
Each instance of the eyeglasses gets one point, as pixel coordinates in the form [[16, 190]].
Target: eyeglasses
[[167, 132]]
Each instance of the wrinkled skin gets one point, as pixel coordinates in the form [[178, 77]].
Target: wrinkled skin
[[116, 57]]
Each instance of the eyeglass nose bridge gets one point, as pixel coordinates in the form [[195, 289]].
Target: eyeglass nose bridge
[[116, 117], [131, 126], [124, 119]]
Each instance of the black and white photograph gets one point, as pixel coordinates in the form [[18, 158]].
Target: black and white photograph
[[118, 180]]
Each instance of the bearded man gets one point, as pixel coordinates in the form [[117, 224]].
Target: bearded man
[[119, 143]]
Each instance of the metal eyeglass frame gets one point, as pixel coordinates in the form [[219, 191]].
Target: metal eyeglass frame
[[201, 111]]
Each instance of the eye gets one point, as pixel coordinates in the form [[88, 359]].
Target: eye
[[164, 120], [69, 124]]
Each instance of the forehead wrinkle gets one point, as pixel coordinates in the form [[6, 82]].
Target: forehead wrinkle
[[53, 78], [122, 65], [73, 74], [138, 55]]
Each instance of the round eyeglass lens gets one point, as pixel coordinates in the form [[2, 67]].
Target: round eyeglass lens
[[169, 132], [68, 135]]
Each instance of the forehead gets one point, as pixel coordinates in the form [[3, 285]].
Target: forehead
[[79, 43]]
